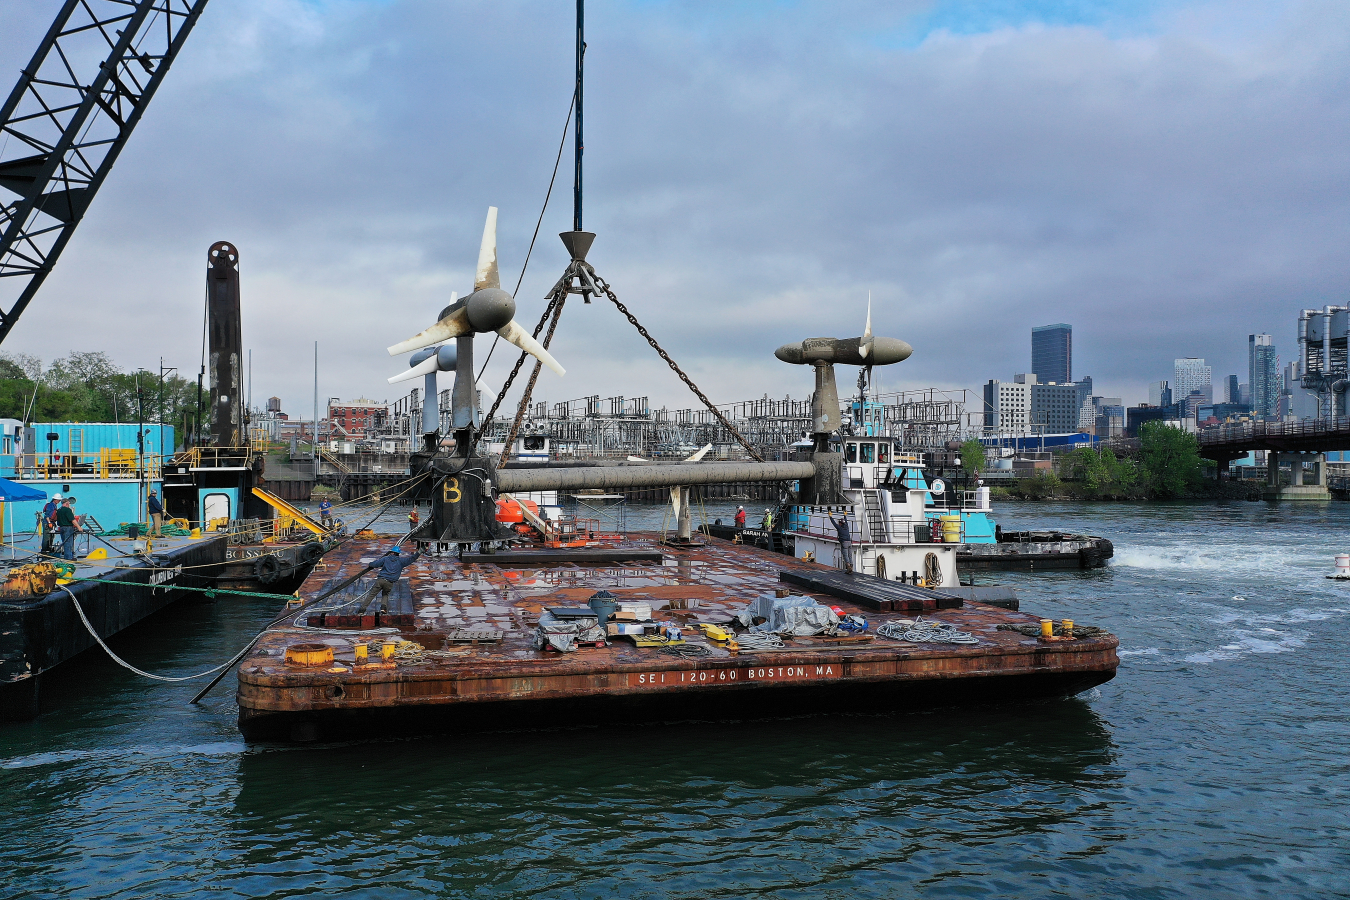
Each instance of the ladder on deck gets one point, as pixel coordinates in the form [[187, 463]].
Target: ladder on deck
[[876, 525]]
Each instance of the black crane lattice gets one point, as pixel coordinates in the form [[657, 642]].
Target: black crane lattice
[[66, 121]]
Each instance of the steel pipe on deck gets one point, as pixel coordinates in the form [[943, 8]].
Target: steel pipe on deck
[[627, 477]]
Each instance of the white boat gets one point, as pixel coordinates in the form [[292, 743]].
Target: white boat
[[890, 514]]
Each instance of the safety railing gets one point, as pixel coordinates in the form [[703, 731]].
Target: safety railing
[[108, 462]]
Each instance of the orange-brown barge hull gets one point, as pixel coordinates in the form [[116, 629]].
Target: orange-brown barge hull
[[507, 685]]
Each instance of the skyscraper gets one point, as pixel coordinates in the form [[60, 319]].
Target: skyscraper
[[1263, 375], [1159, 393], [1191, 374], [1234, 394], [1052, 353]]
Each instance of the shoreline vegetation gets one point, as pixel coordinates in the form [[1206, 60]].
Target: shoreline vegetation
[[1166, 466]]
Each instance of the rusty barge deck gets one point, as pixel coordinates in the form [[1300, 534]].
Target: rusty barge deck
[[505, 684]]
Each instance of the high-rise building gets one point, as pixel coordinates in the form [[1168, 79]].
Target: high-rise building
[[1263, 375], [1007, 405], [1055, 408], [1191, 374], [1052, 353], [1233, 394], [1159, 393]]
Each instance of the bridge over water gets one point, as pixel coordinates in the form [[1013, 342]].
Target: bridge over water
[[1299, 444]]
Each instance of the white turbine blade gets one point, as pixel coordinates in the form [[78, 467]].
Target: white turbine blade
[[675, 501], [523, 339], [865, 342], [452, 326], [488, 393], [487, 276], [638, 459], [698, 455], [425, 367]]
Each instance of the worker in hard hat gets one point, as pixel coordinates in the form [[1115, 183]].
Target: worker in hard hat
[[156, 510], [387, 572], [48, 518], [740, 518], [767, 522]]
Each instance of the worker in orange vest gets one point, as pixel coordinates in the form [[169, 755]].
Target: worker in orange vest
[[414, 519]]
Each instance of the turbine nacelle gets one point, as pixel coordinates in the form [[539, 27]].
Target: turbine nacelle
[[487, 309], [859, 351], [433, 359], [867, 350]]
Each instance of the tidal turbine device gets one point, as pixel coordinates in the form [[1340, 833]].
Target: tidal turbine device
[[823, 353], [488, 309]]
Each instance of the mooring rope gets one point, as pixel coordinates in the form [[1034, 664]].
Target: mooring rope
[[126, 665]]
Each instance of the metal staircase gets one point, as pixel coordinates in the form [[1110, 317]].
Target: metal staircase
[[876, 523]]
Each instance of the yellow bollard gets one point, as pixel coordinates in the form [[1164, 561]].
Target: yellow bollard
[[1067, 625], [387, 649], [1047, 628], [362, 654]]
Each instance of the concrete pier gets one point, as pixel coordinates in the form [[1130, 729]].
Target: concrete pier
[[1299, 487]]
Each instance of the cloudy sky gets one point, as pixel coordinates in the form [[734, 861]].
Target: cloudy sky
[[1165, 176]]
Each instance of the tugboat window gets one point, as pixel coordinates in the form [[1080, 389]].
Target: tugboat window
[[851, 452], [882, 453], [869, 452], [534, 443]]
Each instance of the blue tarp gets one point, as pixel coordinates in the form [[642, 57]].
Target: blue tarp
[[13, 493]]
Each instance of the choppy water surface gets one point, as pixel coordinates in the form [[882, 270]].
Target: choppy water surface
[[1213, 766]]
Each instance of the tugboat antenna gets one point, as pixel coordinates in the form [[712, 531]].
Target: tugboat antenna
[[581, 56]]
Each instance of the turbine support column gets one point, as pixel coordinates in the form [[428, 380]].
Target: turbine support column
[[824, 406], [463, 399]]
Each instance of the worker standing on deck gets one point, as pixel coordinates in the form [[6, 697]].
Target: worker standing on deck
[[414, 520], [387, 572], [326, 513], [740, 518], [845, 540], [767, 522], [65, 521], [156, 510], [48, 515]]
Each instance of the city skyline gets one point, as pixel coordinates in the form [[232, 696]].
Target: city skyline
[[954, 166]]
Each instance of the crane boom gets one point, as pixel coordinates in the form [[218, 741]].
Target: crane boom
[[67, 119]]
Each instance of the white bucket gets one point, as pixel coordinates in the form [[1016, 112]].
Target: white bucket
[[1343, 564]]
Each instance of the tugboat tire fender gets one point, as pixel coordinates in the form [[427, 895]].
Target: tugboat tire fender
[[266, 568]]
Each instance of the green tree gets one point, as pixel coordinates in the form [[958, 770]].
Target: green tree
[[1171, 459], [1102, 473], [972, 457]]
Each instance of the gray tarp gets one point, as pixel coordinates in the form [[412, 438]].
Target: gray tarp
[[563, 635], [789, 615]]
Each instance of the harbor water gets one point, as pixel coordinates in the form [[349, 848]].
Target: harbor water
[[1212, 766]]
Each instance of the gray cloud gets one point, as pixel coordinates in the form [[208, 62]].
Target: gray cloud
[[1165, 185]]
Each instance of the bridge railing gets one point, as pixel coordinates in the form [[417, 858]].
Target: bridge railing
[[1247, 431]]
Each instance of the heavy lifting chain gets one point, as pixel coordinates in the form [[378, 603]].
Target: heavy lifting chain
[[557, 307], [591, 283], [501, 395], [609, 292]]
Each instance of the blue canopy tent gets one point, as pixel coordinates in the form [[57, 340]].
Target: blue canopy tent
[[17, 493], [11, 492]]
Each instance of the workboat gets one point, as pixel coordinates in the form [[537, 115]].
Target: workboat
[[983, 542], [51, 607]]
